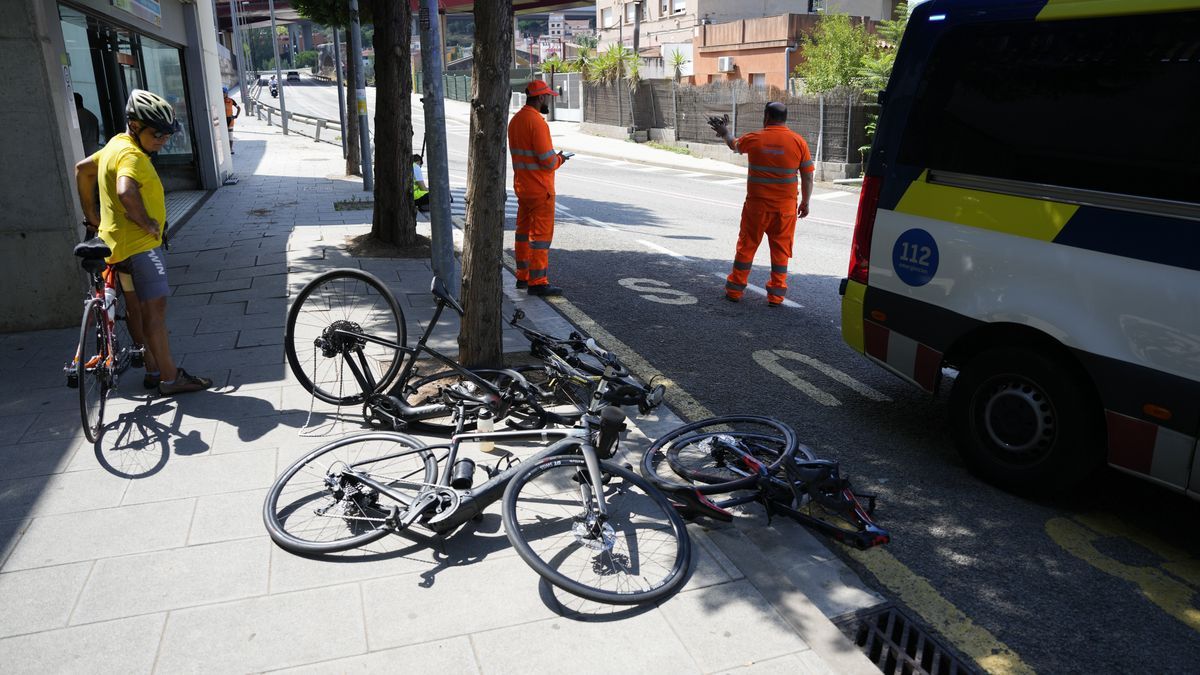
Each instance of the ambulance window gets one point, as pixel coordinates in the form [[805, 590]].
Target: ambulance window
[[1104, 104]]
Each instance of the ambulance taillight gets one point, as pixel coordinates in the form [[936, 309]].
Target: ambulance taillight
[[864, 226]]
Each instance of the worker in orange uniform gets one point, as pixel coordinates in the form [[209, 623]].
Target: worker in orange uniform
[[534, 163], [779, 163]]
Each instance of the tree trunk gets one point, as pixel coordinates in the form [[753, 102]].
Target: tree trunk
[[395, 218], [350, 133], [479, 341]]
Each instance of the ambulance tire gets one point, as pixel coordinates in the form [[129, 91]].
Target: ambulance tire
[[1026, 421]]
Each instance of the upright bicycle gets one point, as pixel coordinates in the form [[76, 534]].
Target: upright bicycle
[[586, 524], [105, 349]]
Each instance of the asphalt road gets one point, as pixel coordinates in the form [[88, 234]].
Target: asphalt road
[[1106, 580]]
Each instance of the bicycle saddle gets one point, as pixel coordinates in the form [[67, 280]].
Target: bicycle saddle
[[439, 291], [92, 249]]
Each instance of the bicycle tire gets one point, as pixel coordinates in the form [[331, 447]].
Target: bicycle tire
[[328, 301], [664, 463], [94, 380], [554, 508], [360, 518], [122, 338]]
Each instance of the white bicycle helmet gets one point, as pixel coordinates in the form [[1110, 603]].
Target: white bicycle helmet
[[152, 110]]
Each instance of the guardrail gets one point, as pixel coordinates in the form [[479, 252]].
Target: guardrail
[[319, 124]]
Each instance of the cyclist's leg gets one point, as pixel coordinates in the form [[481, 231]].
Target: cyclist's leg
[[149, 276], [133, 317]]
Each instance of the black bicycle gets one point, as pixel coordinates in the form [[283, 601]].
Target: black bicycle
[[755, 459], [346, 343], [587, 525]]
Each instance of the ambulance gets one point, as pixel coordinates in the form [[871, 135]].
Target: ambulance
[[1029, 225]]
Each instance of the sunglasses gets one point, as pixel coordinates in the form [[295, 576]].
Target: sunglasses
[[162, 134]]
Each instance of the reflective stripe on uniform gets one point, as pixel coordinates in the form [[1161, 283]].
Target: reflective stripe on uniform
[[537, 274], [545, 155], [729, 285], [806, 165], [778, 292], [742, 265], [528, 167], [539, 244], [525, 153], [522, 264], [759, 179], [779, 269], [522, 237], [779, 170]]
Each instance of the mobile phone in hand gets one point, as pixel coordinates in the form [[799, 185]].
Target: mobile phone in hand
[[567, 155]]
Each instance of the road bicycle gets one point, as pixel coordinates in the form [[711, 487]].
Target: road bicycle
[[105, 350], [346, 343], [587, 525], [755, 459]]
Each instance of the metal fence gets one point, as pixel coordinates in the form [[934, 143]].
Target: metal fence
[[833, 123]]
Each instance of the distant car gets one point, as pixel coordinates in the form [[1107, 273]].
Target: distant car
[[293, 76]]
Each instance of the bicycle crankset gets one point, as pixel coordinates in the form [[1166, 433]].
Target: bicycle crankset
[[381, 412]]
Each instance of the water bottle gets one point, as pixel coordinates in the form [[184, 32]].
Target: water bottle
[[110, 302], [485, 425]]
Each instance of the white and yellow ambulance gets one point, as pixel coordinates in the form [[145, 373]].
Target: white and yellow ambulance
[[1030, 217]]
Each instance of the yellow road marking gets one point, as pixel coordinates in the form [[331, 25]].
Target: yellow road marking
[[919, 595], [1172, 595]]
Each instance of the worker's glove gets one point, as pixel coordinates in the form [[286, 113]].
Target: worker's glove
[[720, 125]]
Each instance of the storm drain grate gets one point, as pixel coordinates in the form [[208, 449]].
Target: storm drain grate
[[897, 645]]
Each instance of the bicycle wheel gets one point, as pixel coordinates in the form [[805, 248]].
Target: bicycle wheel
[[343, 326], [708, 454], [93, 368], [640, 553], [122, 340], [318, 505]]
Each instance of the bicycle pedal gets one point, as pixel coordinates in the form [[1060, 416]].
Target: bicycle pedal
[[73, 380]]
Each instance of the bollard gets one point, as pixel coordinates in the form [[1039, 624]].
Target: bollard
[[320, 125], [269, 111]]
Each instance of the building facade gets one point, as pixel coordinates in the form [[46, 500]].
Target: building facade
[[99, 49]]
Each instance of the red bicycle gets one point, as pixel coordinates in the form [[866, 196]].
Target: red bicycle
[[105, 349]]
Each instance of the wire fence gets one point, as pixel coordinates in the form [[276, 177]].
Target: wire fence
[[833, 123]]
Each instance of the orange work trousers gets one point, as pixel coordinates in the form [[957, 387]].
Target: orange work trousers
[[535, 231], [776, 220]]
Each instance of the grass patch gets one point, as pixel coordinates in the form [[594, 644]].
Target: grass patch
[[669, 148], [354, 204]]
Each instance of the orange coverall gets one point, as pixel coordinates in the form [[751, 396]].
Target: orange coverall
[[534, 162], [776, 155]]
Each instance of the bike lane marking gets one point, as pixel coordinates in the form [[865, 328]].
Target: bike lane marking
[[1172, 586], [658, 291], [770, 359]]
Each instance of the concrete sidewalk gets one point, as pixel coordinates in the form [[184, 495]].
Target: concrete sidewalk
[[146, 552]]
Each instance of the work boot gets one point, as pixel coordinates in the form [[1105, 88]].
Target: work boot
[[183, 384], [521, 284], [545, 290]]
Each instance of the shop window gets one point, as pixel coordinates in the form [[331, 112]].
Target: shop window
[[164, 76]]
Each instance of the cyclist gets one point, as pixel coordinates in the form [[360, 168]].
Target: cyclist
[[130, 216]]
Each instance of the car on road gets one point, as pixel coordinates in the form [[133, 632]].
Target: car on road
[[293, 76]]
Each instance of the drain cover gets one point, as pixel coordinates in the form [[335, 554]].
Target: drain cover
[[897, 645]]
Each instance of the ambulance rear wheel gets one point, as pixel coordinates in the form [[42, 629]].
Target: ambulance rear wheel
[[1026, 421]]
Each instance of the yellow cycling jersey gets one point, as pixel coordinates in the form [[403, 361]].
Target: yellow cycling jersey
[[122, 157]]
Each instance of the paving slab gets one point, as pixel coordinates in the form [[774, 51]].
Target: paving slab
[[122, 646]]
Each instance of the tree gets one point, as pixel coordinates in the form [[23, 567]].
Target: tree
[[834, 53], [677, 61], [479, 339], [530, 27], [337, 13], [395, 215], [877, 65]]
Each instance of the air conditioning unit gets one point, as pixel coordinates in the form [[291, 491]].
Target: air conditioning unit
[[725, 64]]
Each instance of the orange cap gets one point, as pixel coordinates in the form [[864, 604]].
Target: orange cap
[[537, 88]]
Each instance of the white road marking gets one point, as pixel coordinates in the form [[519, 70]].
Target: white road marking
[[832, 195], [646, 167], [691, 175], [658, 291], [763, 292], [770, 359], [730, 181], [661, 249], [597, 223]]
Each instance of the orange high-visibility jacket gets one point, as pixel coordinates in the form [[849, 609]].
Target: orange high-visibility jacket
[[777, 155], [533, 157]]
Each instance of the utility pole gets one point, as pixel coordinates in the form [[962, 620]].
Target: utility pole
[[283, 119], [441, 229], [337, 68], [241, 53], [360, 95]]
